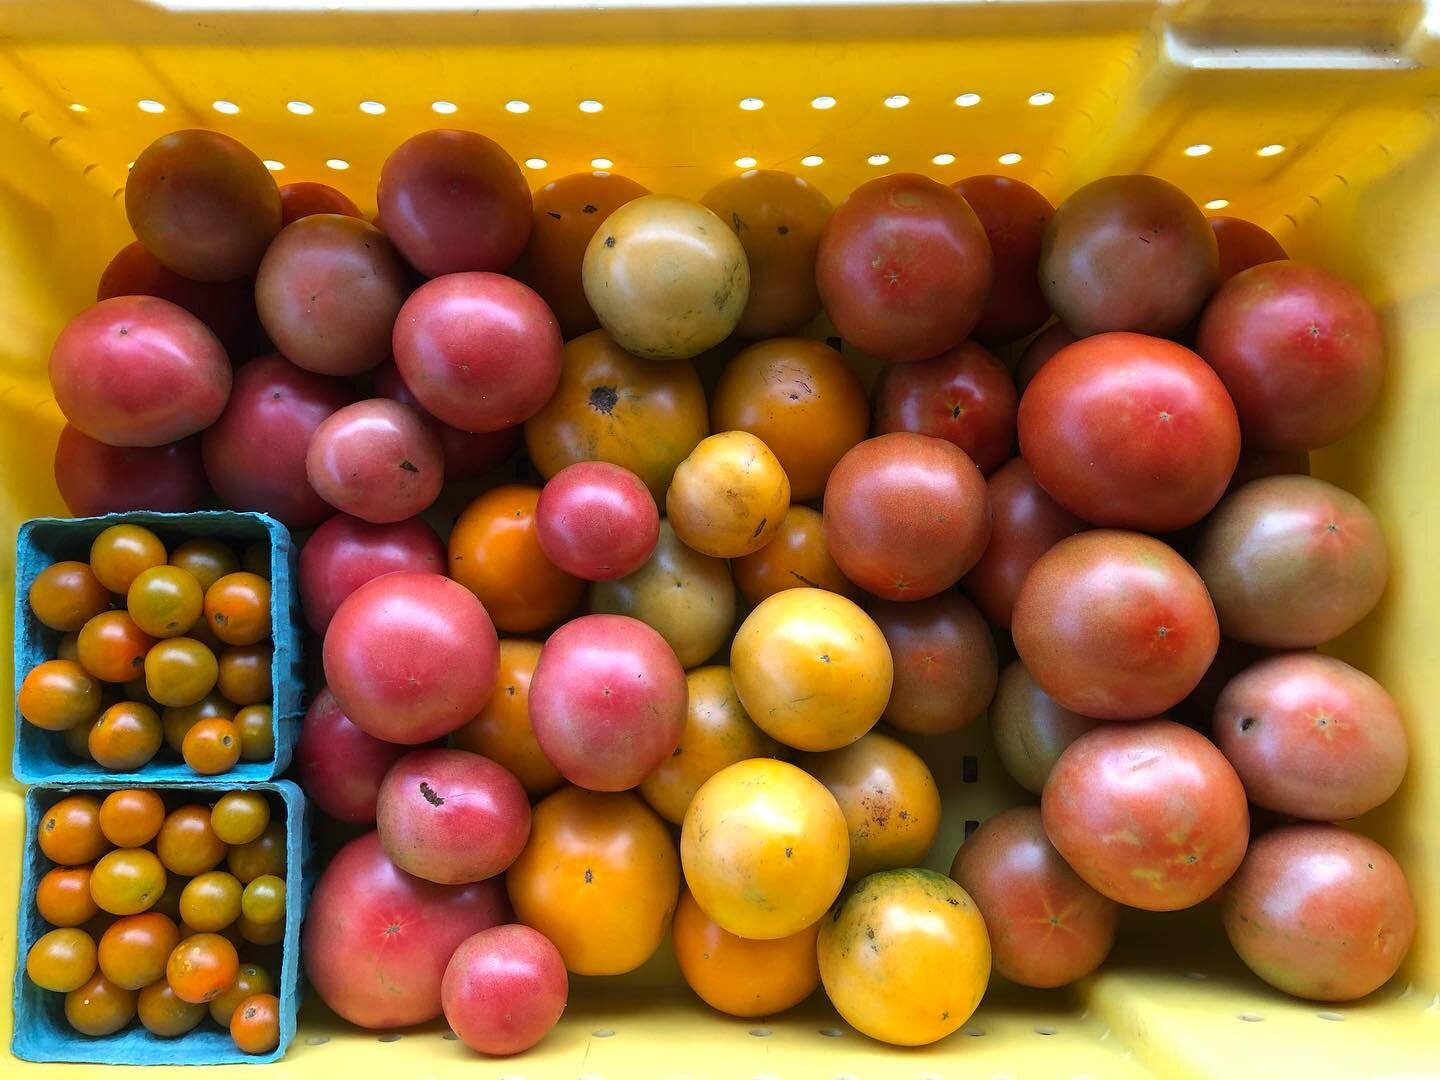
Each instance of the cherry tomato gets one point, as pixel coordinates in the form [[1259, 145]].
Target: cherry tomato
[[263, 855], [63, 896], [164, 1014], [67, 595], [77, 740], [121, 552], [251, 979], [796, 558], [131, 817], [729, 496], [127, 881], [165, 601], [240, 816], [179, 671], [61, 960], [1014, 216], [237, 607], [1031, 730], [255, 559], [99, 1007], [244, 673], [212, 746], [70, 831], [187, 844], [112, 648], [177, 721], [258, 933], [263, 901], [201, 967], [126, 736], [68, 647], [211, 901], [306, 197], [739, 976], [255, 1024], [59, 694], [133, 951], [945, 662], [501, 731], [207, 561], [1242, 245]]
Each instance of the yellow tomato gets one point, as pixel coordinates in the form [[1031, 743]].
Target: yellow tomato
[[905, 958], [717, 734], [729, 496], [765, 848], [740, 976], [501, 731], [812, 669]]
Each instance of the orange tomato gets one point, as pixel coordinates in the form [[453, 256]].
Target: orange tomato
[[112, 648], [179, 672], [131, 817], [165, 601], [729, 496], [201, 967], [240, 816], [258, 933], [77, 740], [121, 552], [70, 831], [63, 896], [251, 979], [163, 1013], [212, 746], [797, 558], [263, 855], [178, 720], [599, 878], [501, 731], [126, 736], [255, 1024], [257, 732], [59, 694], [211, 901], [764, 848], [66, 595], [206, 560], [99, 1007], [263, 902], [740, 976], [237, 608], [127, 881], [68, 648], [134, 950], [255, 559], [187, 844], [244, 675], [495, 553], [61, 960]]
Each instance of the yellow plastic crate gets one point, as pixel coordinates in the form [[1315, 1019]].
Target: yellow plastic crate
[[1340, 90]]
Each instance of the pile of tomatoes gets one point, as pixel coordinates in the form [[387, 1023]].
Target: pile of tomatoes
[[724, 560], [147, 924]]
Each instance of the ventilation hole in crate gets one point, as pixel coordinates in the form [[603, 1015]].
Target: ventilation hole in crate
[[824, 101], [300, 108], [273, 165], [929, 1076], [338, 164], [394, 1036], [1044, 1030], [75, 106], [229, 108], [1197, 976], [450, 1036], [372, 108], [745, 162], [943, 159], [831, 1033], [1271, 149], [752, 104], [516, 106], [1199, 149], [444, 108], [843, 1076], [970, 826], [1009, 159], [601, 163], [897, 101], [1249, 1018], [1327, 1014], [1041, 97], [536, 163], [762, 1033], [878, 159], [969, 769], [1217, 204], [590, 105], [974, 1032], [603, 1033], [317, 1040], [149, 105], [968, 101], [811, 160]]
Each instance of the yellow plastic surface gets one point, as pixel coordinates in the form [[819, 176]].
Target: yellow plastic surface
[[1344, 87]]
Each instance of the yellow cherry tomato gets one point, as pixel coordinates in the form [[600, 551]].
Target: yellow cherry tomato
[[729, 496], [739, 976]]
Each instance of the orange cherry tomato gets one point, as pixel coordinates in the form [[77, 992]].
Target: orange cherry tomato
[[729, 496], [61, 960], [134, 950], [237, 608], [255, 559], [240, 816], [59, 694], [179, 671], [126, 736], [187, 844], [70, 831], [127, 881], [66, 595], [211, 901], [251, 979], [495, 553], [99, 1007], [206, 560], [257, 732], [255, 1024], [164, 1014], [169, 902], [263, 855], [739, 976], [121, 552], [165, 601], [263, 902], [258, 933], [501, 731], [178, 720], [68, 647], [599, 878], [131, 817], [201, 967], [63, 896], [136, 690], [245, 673], [212, 746], [112, 648], [77, 740]]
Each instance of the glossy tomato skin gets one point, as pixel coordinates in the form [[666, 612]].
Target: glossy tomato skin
[[728, 498], [1300, 351], [904, 268], [95, 478], [597, 521], [567, 213], [1046, 926], [480, 351], [306, 197], [964, 396], [906, 515], [339, 765], [607, 702], [1130, 431], [1115, 625], [1014, 216], [345, 552], [501, 730], [740, 976], [797, 558], [376, 460], [255, 454], [1312, 737], [454, 201], [377, 939], [227, 308], [1320, 912], [1150, 814], [1292, 561], [1243, 244], [411, 656], [1129, 253], [945, 662], [504, 989], [1031, 730], [467, 453], [1039, 350], [139, 371]]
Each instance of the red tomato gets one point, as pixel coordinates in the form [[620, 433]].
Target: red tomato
[[1031, 731], [904, 268], [227, 308], [1014, 215], [1047, 927], [597, 521], [479, 351], [504, 989], [466, 453], [96, 479], [607, 701], [451, 816], [255, 453], [454, 201], [306, 197], [339, 766], [411, 656], [377, 940], [139, 371], [1149, 814], [945, 664], [1243, 244], [376, 460], [965, 396], [1114, 625], [1038, 352], [906, 515], [1130, 431], [1300, 351], [346, 552], [1320, 912]]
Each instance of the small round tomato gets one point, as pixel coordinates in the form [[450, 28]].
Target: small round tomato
[[133, 951], [765, 848], [169, 902], [187, 844], [905, 958], [99, 1007], [121, 552], [165, 601], [739, 976], [263, 901], [501, 731], [255, 1024], [126, 736], [1242, 245], [504, 989], [211, 901], [244, 675], [251, 979], [70, 831], [176, 721], [179, 671], [237, 607], [112, 648], [495, 552], [256, 724], [729, 496], [164, 1014], [66, 595], [718, 733], [263, 855], [201, 967], [1031, 729], [61, 960], [63, 896], [77, 740], [597, 521], [240, 816], [207, 561], [258, 933], [945, 662], [59, 694], [68, 647], [131, 817], [796, 558], [127, 881], [212, 746]]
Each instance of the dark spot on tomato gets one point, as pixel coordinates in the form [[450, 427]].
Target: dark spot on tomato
[[759, 528], [609, 241], [430, 795], [409, 466], [554, 214], [1246, 723], [783, 230], [801, 577], [589, 875], [789, 852], [604, 399]]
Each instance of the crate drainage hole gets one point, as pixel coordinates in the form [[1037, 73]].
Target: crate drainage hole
[[761, 1033], [975, 1033], [1249, 1018], [450, 1036], [603, 1033], [1044, 1031], [1197, 976], [831, 1033], [1327, 1015], [317, 1040], [390, 1038]]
